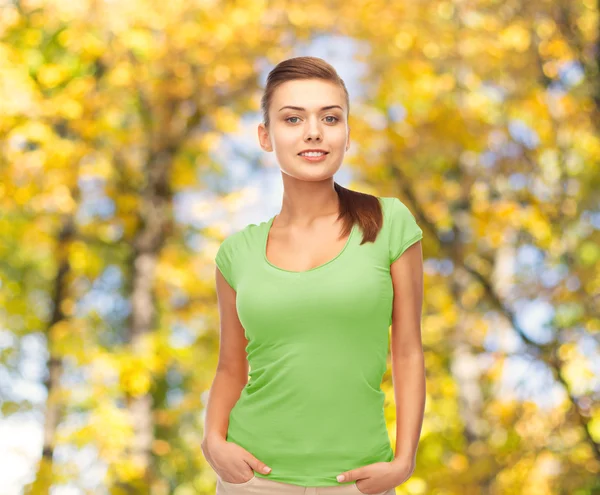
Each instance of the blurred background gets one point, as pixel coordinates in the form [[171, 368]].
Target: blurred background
[[129, 150]]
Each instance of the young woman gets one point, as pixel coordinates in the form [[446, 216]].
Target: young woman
[[306, 300]]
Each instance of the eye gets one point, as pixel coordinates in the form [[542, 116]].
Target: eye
[[329, 116]]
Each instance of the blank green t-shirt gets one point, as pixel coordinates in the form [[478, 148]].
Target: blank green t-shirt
[[317, 349]]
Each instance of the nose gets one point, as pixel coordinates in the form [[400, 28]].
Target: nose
[[313, 132]]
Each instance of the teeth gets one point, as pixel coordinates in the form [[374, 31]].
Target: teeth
[[312, 154]]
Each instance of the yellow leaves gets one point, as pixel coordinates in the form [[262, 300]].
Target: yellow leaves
[[515, 37], [431, 50], [458, 462], [23, 195], [32, 37], [579, 375], [35, 131], [225, 119], [9, 18], [91, 45], [204, 55], [125, 202], [445, 10], [580, 453], [587, 23], [593, 324], [415, 485], [469, 47], [223, 33], [471, 296], [545, 27], [567, 351], [436, 328], [100, 167], [69, 108], [139, 40], [594, 427], [85, 259], [59, 331], [121, 75], [106, 417], [60, 200], [161, 447], [137, 366], [103, 366], [130, 469], [495, 372], [589, 253], [16, 87], [538, 226], [209, 140], [68, 306], [492, 220], [477, 103], [135, 378], [549, 164], [188, 34], [555, 49], [66, 336], [298, 16], [51, 75], [219, 75], [403, 40], [479, 196], [184, 174], [109, 233], [446, 82], [166, 418], [174, 274], [507, 209]]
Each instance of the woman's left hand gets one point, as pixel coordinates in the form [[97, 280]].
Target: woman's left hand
[[380, 476]]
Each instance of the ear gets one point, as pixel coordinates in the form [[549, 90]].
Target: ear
[[263, 138], [348, 144]]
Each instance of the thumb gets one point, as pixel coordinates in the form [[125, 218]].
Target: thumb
[[258, 465], [351, 475]]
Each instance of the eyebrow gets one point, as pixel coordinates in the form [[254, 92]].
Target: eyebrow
[[304, 109]]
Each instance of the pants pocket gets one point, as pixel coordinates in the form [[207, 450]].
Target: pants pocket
[[236, 485], [378, 493]]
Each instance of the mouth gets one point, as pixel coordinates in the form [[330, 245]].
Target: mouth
[[314, 157]]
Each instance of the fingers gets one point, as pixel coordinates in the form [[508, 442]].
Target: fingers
[[259, 466], [348, 475]]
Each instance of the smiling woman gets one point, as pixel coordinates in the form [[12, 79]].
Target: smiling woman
[[306, 300], [318, 125]]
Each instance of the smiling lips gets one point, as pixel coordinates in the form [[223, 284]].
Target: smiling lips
[[314, 156]]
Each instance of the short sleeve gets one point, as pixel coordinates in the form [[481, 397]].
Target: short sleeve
[[404, 230], [224, 260]]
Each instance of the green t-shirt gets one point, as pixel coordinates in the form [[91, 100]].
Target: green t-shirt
[[317, 349]]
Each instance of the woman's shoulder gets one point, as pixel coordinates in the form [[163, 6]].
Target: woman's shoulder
[[393, 207], [246, 235]]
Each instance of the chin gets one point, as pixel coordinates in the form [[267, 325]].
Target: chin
[[313, 174]]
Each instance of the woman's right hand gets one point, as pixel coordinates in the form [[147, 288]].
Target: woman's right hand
[[232, 463]]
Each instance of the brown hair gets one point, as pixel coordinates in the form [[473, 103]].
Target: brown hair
[[355, 207]]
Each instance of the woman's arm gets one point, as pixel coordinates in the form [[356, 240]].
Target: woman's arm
[[408, 367], [232, 368]]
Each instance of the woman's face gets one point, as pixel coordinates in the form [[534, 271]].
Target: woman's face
[[293, 130]]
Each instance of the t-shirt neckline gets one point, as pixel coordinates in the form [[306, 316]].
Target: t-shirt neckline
[[327, 263]]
